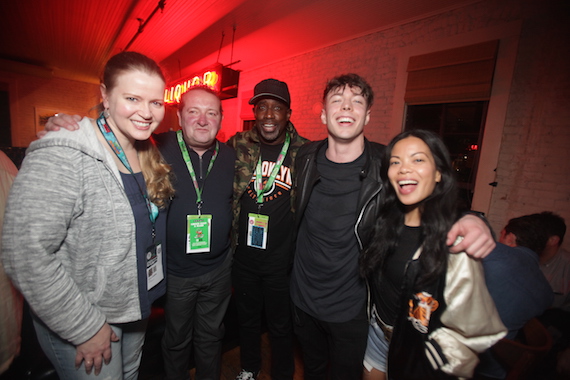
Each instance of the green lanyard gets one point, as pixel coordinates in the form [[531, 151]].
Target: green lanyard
[[118, 150], [186, 157], [259, 188]]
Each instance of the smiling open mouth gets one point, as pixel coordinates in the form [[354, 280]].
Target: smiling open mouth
[[345, 120], [141, 124], [407, 186]]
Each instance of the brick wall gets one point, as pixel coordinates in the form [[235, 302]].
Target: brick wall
[[306, 76], [532, 169], [533, 164]]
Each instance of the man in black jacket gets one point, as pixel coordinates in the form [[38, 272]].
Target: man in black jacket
[[339, 192]]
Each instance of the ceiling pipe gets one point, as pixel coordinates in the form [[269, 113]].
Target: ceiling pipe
[[128, 16], [160, 6], [220, 49]]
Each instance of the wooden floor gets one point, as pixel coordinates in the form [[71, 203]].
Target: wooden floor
[[231, 364]]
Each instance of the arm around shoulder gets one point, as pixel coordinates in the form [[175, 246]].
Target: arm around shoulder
[[478, 240]]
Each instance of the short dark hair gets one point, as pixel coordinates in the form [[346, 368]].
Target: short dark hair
[[350, 80], [196, 88], [529, 232], [554, 224]]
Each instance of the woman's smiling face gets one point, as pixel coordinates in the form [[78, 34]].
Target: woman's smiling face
[[412, 173], [135, 105]]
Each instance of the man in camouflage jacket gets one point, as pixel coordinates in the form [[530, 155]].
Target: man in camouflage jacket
[[260, 272], [247, 146]]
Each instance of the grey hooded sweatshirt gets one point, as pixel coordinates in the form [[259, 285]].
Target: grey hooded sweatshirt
[[69, 236]]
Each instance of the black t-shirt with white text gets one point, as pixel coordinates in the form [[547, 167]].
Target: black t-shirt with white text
[[277, 205]]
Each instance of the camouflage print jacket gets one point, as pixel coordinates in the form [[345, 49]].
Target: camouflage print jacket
[[247, 147]]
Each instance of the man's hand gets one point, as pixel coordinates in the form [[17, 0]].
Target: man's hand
[[477, 238], [58, 121], [96, 350]]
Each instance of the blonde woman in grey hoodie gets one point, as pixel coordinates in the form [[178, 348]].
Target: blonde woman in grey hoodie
[[85, 227]]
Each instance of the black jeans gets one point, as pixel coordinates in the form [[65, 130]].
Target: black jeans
[[256, 293], [338, 347], [194, 313]]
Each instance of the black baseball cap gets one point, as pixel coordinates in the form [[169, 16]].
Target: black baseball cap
[[271, 88]]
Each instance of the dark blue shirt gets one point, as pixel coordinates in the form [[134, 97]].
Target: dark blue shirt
[[144, 239], [520, 292], [217, 193]]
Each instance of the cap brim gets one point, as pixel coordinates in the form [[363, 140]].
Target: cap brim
[[267, 95]]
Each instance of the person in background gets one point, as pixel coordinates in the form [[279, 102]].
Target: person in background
[[555, 260], [85, 228], [555, 265], [263, 208], [198, 235], [337, 201], [11, 302], [515, 282]]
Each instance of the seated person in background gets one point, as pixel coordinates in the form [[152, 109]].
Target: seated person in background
[[555, 265], [515, 282], [554, 260]]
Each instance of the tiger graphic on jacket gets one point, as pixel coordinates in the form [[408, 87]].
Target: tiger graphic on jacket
[[422, 305]]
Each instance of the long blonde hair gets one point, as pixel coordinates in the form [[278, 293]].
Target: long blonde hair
[[156, 172]]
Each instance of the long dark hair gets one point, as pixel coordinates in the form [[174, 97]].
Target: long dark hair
[[438, 213]]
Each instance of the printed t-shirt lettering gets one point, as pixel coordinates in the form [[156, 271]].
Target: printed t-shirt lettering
[[258, 223]]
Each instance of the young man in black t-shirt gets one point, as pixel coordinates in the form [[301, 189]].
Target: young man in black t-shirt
[[339, 193]]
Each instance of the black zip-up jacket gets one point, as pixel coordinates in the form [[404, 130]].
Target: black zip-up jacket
[[370, 198]]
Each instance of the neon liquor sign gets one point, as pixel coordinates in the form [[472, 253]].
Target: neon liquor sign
[[222, 80]]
